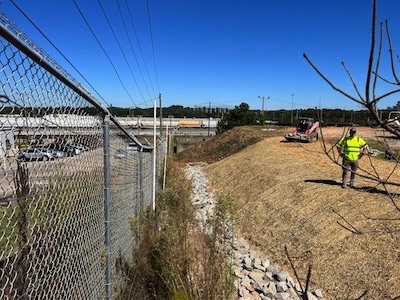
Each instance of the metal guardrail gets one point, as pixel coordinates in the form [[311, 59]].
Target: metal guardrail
[[71, 190]]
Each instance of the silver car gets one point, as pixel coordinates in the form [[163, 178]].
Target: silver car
[[35, 154], [56, 153], [120, 153]]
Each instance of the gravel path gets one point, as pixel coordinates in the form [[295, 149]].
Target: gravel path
[[256, 277]]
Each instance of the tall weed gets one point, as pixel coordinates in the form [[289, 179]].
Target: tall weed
[[175, 260]]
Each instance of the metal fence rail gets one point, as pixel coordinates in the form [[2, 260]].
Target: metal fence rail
[[70, 191]]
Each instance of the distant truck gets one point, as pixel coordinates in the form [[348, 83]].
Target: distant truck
[[306, 131], [393, 119]]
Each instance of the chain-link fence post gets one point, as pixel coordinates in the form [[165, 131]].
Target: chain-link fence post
[[140, 189], [107, 202], [22, 185]]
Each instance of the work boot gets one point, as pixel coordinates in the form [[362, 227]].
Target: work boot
[[344, 185], [352, 185]]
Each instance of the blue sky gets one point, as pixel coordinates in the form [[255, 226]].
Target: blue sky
[[212, 52]]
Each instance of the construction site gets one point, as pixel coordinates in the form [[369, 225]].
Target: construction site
[[289, 194]]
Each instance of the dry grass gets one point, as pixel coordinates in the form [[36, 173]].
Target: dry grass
[[288, 194], [226, 144]]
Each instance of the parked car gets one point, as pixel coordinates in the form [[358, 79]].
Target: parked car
[[132, 147], [66, 148], [57, 153], [76, 149], [79, 146], [36, 141], [89, 142], [35, 154], [120, 153]]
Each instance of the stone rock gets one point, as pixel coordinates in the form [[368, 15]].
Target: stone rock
[[281, 287], [269, 292], [243, 291], [268, 276], [283, 296], [311, 296], [282, 276], [318, 294], [273, 269], [256, 277], [265, 262]]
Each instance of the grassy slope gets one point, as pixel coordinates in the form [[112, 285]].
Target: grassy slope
[[227, 144], [288, 194]]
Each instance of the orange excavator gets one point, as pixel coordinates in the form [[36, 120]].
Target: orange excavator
[[306, 131]]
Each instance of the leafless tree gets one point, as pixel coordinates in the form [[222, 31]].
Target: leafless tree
[[368, 97], [369, 100]]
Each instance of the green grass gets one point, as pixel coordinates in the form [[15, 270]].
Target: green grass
[[175, 260], [39, 212], [229, 143]]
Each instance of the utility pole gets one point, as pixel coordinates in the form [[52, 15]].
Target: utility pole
[[161, 124], [131, 112], [320, 110], [138, 125], [262, 106], [291, 120]]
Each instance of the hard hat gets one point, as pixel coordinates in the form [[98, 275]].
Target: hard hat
[[353, 129]]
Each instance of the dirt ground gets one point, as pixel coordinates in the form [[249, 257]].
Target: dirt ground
[[289, 194]]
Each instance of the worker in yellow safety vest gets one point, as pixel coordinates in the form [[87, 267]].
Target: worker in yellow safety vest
[[351, 149]]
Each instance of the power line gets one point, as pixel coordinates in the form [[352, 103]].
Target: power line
[[59, 51], [152, 44], [133, 50], [122, 51], [140, 47], [104, 51]]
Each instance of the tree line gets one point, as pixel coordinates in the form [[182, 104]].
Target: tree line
[[239, 115], [243, 115]]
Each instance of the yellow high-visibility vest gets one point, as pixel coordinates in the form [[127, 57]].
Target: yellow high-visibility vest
[[352, 146]]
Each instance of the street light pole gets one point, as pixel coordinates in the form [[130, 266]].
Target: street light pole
[[262, 107], [291, 120], [259, 97]]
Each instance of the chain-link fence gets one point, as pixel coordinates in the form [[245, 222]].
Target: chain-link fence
[[72, 187]]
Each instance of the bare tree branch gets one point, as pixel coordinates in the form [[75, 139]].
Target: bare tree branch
[[385, 95], [371, 54], [362, 295], [355, 230], [370, 100], [391, 52], [377, 64], [294, 270], [353, 82], [378, 219], [384, 79], [308, 280], [368, 176], [329, 82]]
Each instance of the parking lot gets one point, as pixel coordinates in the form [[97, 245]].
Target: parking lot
[[45, 172]]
